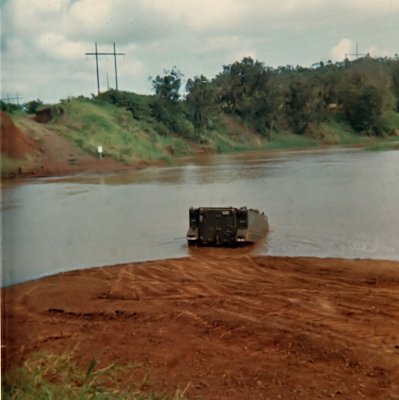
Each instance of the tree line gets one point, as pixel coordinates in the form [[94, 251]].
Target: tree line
[[363, 94]]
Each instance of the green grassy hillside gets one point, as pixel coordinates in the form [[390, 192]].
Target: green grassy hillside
[[140, 130], [89, 125], [137, 136]]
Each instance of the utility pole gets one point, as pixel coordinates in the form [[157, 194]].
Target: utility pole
[[357, 54], [114, 53], [116, 69], [8, 99]]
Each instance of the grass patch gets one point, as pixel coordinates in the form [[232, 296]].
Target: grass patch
[[51, 376], [230, 138], [390, 121], [388, 144], [285, 140], [224, 144], [9, 165], [341, 133], [90, 124]]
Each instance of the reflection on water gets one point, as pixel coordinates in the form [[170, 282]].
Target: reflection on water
[[324, 203]]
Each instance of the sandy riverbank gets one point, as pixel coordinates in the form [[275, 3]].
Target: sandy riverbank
[[244, 327]]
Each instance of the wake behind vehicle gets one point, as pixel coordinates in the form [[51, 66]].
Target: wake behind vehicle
[[225, 226]]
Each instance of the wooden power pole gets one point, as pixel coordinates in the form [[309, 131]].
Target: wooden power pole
[[357, 54], [96, 54]]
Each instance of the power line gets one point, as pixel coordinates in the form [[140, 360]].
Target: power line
[[357, 54], [96, 54], [8, 99]]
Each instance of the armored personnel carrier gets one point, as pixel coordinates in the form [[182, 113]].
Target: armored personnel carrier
[[225, 226]]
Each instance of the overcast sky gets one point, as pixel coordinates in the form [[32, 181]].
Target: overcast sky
[[43, 42]]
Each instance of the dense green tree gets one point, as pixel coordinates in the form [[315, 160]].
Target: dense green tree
[[301, 105], [138, 105], [200, 101], [237, 84], [394, 69], [32, 106], [363, 93], [167, 107], [253, 92], [167, 87], [9, 107], [363, 110], [267, 104]]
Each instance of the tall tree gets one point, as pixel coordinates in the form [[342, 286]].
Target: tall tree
[[394, 67], [301, 105], [237, 85], [32, 106], [363, 110], [167, 87], [200, 97], [268, 101], [166, 107]]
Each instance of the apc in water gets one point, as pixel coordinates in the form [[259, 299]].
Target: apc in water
[[226, 226]]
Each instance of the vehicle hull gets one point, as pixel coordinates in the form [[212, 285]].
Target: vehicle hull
[[226, 226]]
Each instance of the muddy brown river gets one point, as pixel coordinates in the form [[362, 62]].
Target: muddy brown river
[[327, 203]]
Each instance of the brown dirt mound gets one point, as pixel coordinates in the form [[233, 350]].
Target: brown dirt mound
[[248, 327], [55, 156], [14, 143]]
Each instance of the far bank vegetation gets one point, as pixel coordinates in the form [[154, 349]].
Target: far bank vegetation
[[248, 105]]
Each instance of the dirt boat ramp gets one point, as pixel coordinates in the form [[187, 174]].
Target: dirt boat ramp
[[229, 326]]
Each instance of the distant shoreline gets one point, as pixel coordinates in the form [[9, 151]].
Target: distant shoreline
[[109, 166]]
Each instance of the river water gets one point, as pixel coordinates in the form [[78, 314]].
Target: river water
[[329, 203]]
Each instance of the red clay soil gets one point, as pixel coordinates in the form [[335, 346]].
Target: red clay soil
[[14, 143], [243, 327], [45, 153]]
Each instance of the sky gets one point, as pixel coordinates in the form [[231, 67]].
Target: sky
[[44, 42]]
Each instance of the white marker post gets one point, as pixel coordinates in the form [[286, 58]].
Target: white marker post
[[100, 151]]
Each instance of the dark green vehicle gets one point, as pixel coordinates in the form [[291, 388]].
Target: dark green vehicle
[[226, 226]]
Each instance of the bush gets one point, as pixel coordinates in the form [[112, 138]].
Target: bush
[[138, 105], [32, 106], [363, 110], [10, 107]]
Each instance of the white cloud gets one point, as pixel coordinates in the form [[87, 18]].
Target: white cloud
[[223, 43], [131, 69], [201, 15], [295, 5], [120, 20], [60, 47], [48, 39], [385, 6], [90, 16], [35, 15], [339, 52], [240, 54], [379, 51]]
